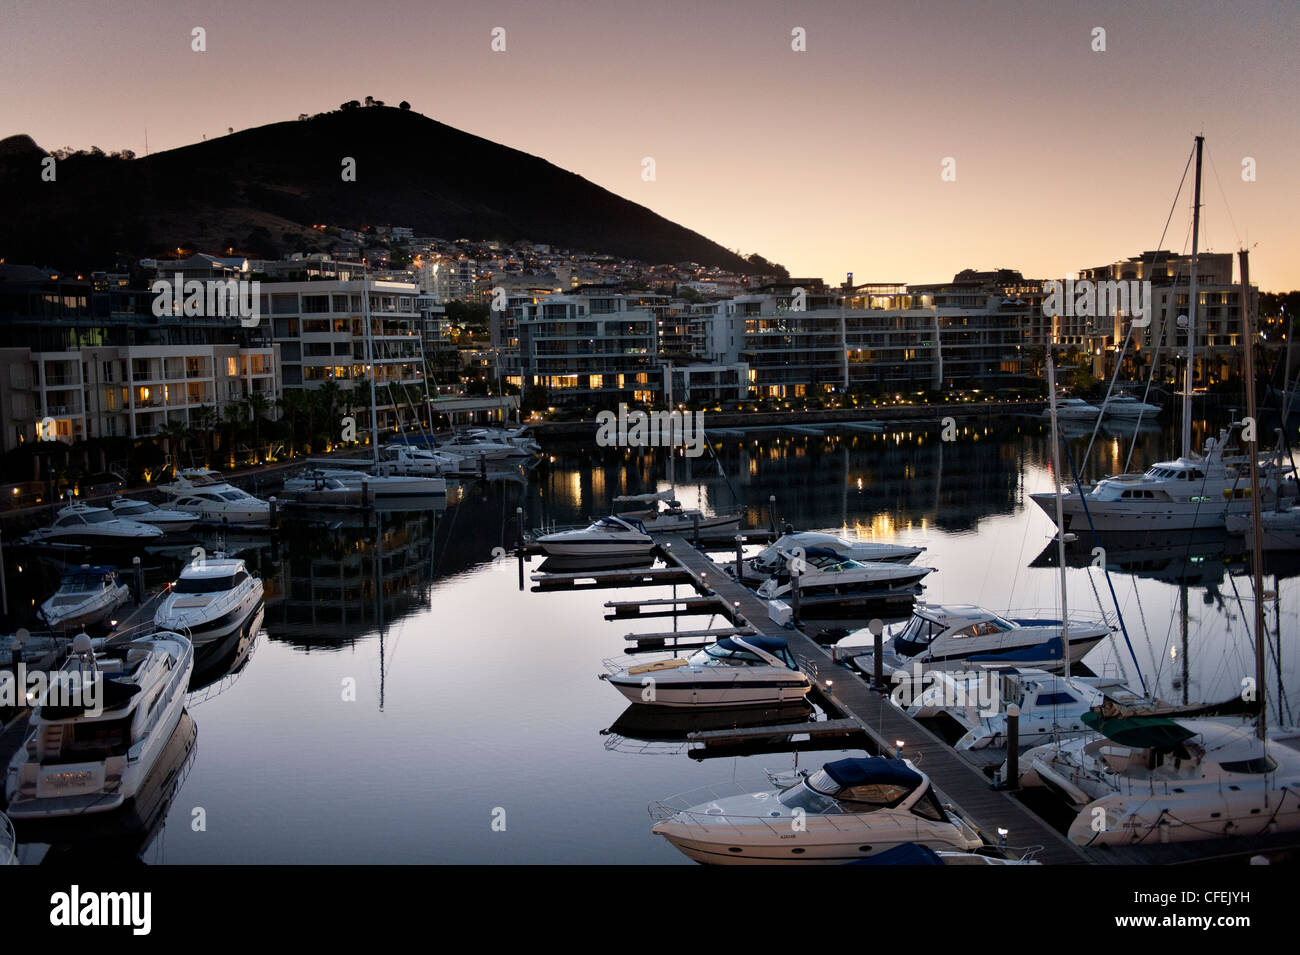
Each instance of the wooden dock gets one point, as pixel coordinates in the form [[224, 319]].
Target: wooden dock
[[953, 777]]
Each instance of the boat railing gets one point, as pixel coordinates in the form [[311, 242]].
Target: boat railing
[[8, 842], [1099, 617]]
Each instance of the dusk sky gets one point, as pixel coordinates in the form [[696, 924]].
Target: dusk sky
[[827, 161]]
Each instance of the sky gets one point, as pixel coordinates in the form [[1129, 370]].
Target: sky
[[827, 160]]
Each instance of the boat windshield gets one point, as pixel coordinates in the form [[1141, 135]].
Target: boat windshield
[[97, 516], [720, 654], [820, 792], [135, 507], [918, 635], [208, 585]]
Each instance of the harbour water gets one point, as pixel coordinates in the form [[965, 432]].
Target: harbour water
[[406, 702]]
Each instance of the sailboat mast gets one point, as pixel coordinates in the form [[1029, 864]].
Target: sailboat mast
[[1257, 531], [1060, 517], [1189, 383], [370, 359]]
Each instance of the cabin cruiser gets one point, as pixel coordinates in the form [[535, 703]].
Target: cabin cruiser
[[134, 509], [845, 811], [94, 526], [473, 449], [1051, 707], [1126, 406], [825, 576], [607, 537], [410, 461], [311, 486], [210, 600], [203, 493], [674, 519], [1155, 779], [1190, 492], [87, 596], [386, 486], [517, 437], [951, 635], [770, 560], [748, 670], [1076, 408], [90, 749]]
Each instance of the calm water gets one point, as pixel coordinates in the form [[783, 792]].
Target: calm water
[[475, 701]]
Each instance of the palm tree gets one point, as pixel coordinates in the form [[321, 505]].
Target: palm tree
[[257, 405], [175, 435]]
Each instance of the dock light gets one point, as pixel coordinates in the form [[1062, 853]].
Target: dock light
[[898, 749], [1002, 836], [829, 684]]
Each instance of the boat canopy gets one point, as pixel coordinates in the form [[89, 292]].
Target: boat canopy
[[773, 645], [863, 771], [1144, 732]]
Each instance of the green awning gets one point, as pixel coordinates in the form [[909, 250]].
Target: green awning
[[1146, 732]]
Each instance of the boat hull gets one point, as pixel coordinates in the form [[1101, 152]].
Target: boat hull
[[700, 691]]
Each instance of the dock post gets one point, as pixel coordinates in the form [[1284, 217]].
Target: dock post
[[794, 597], [482, 466], [877, 628], [519, 524], [275, 511], [771, 507], [695, 529], [1013, 748], [139, 580], [365, 492], [740, 558]]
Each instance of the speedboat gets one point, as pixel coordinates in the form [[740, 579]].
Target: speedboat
[[845, 811], [310, 486], [90, 749], [210, 600], [1189, 492], [405, 459], [517, 437], [749, 670], [1156, 779], [134, 509], [769, 560], [205, 495], [1075, 408], [826, 578], [473, 449], [607, 537], [951, 635], [674, 519], [87, 596], [1126, 406], [377, 487], [94, 526]]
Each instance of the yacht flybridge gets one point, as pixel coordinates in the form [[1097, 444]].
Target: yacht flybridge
[[210, 600], [90, 752], [951, 635], [1189, 492], [847, 810], [673, 518], [87, 596], [607, 537], [1155, 779], [749, 670]]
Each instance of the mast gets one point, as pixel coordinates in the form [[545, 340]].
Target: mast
[[1191, 309], [370, 358], [1257, 531], [1060, 517]]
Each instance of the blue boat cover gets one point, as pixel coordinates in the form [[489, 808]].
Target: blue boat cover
[[873, 769], [773, 645], [909, 853], [1050, 650]]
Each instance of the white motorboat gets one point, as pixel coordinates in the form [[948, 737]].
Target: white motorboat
[[378, 487], [1074, 408], [950, 635], [87, 596], [825, 577], [311, 486], [845, 811], [1126, 406], [205, 495], [673, 518], [412, 461], [607, 537], [770, 560], [135, 509], [90, 751], [1186, 493], [475, 449], [210, 600], [1156, 779], [95, 526], [748, 670], [518, 437], [1280, 529]]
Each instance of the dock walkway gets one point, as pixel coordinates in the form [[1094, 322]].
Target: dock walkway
[[959, 782]]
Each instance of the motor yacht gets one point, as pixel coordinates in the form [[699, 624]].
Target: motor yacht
[[769, 560], [607, 537], [1074, 408], [373, 487], [211, 599], [312, 486], [748, 670], [1156, 779], [203, 494], [87, 596], [96, 527], [475, 449], [827, 578], [170, 522], [1126, 406], [951, 635], [89, 752], [845, 811], [408, 460], [673, 518]]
